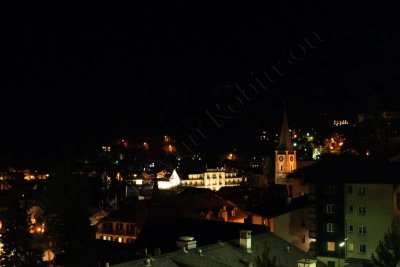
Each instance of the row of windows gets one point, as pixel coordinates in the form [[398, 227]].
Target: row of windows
[[330, 209], [331, 246], [213, 176], [362, 229], [331, 228], [108, 226], [361, 209], [117, 239], [227, 182], [330, 190], [361, 190]]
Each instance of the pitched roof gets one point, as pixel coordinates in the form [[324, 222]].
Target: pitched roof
[[350, 169], [285, 143], [174, 175], [163, 232], [229, 253]]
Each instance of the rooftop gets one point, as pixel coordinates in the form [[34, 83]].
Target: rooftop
[[229, 253]]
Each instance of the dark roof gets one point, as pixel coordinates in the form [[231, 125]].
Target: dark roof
[[113, 252], [126, 214], [251, 199], [163, 232], [285, 143], [229, 253], [194, 190], [350, 169], [272, 211]]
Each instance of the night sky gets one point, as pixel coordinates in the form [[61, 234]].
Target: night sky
[[79, 75]]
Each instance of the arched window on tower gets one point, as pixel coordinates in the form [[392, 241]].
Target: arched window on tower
[[281, 167]]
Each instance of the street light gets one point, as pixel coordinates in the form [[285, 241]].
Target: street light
[[341, 244]]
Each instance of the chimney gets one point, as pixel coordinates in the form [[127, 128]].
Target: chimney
[[245, 240], [157, 252], [186, 242], [224, 214], [147, 262]]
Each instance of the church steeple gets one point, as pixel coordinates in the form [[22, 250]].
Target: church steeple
[[285, 143], [285, 155]]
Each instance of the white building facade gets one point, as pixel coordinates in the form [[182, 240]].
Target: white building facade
[[213, 179]]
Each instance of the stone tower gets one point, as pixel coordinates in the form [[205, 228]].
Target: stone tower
[[285, 155]]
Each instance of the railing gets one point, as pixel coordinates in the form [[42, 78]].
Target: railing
[[117, 232]]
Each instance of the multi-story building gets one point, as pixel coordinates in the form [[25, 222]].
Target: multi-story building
[[119, 226], [326, 220], [213, 179], [356, 202], [371, 209]]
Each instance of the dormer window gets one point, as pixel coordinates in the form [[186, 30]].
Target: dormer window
[[233, 212]]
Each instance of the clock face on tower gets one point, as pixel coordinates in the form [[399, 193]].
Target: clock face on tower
[[280, 158]]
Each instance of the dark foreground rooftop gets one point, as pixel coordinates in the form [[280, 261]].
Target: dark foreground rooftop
[[229, 253]]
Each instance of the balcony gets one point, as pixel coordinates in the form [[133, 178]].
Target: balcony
[[116, 232]]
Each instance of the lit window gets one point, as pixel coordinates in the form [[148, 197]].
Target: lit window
[[233, 212], [119, 239], [362, 248], [362, 230], [330, 208], [104, 237], [361, 210], [350, 247], [109, 238], [330, 227], [330, 246]]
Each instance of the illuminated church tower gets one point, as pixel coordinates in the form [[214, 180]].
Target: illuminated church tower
[[285, 155]]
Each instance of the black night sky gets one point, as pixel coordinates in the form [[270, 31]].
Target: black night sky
[[79, 75]]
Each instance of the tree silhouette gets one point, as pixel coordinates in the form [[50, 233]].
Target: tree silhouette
[[19, 248], [66, 211], [388, 250]]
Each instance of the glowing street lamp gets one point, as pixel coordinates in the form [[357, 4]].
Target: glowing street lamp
[[341, 244]]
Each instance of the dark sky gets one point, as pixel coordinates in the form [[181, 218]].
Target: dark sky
[[79, 74]]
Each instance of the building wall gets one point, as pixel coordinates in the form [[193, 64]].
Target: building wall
[[107, 230], [367, 229], [297, 188], [329, 209], [293, 228], [213, 179], [396, 204], [332, 261]]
